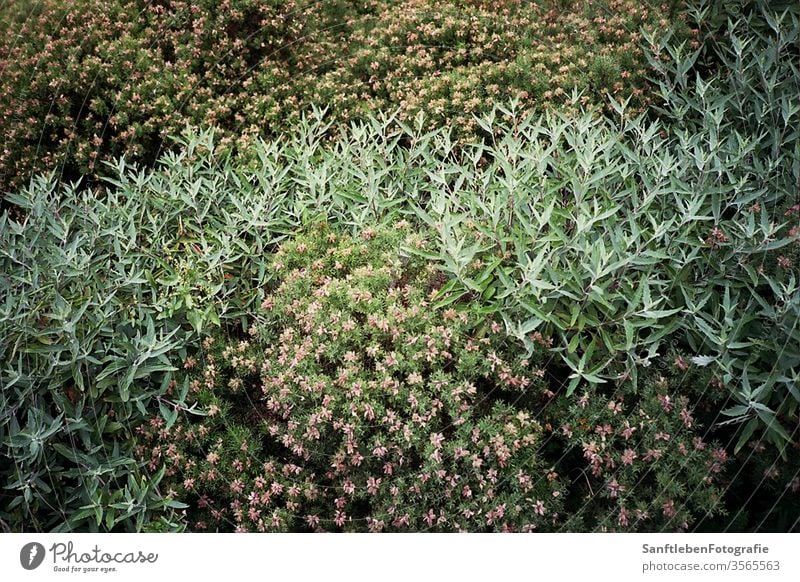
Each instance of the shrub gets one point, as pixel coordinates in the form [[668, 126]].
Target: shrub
[[737, 92], [101, 296], [85, 81], [354, 406], [611, 241], [677, 244], [90, 80], [454, 60], [639, 460]]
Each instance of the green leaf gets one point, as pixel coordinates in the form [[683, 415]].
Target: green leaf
[[736, 411], [574, 383], [196, 318], [744, 436]]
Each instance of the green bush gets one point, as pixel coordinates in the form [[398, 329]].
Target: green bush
[[738, 92], [610, 239], [609, 242], [104, 294], [85, 81], [101, 296], [354, 406], [640, 458]]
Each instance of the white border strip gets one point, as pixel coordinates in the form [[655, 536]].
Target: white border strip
[[401, 557]]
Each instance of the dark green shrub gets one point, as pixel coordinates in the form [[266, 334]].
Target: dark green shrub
[[640, 460]]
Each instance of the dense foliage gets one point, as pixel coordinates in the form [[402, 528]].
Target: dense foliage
[[82, 81], [351, 403], [638, 272], [353, 406]]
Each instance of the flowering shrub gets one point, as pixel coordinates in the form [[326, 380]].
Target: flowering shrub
[[188, 246], [355, 406], [640, 459], [452, 59], [83, 81]]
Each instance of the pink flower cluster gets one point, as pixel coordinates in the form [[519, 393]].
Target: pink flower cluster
[[360, 408]]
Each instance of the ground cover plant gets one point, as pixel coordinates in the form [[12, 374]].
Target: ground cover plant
[[82, 81], [622, 284]]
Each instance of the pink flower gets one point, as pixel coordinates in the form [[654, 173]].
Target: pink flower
[[628, 431], [615, 488], [414, 378], [604, 430], [373, 485], [666, 402], [652, 454], [628, 457], [720, 455]]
